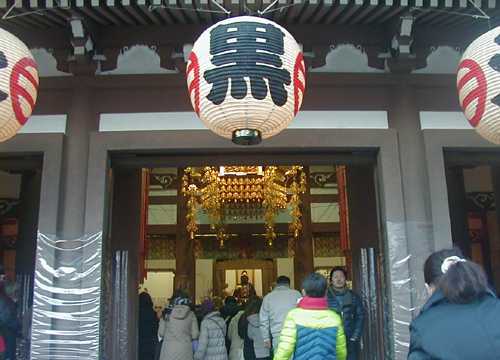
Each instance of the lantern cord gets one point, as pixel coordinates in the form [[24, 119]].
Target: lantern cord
[[10, 9], [37, 12], [281, 8], [248, 10], [154, 7], [476, 16], [221, 7], [267, 8]]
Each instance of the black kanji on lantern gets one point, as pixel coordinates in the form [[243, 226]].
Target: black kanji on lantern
[[247, 49], [494, 63], [3, 65]]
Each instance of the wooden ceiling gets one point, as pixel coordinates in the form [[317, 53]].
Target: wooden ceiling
[[371, 25], [43, 14]]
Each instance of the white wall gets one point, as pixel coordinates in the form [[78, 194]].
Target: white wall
[[160, 283], [204, 276], [160, 286], [285, 268]]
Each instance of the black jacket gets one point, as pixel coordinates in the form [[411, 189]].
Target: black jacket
[[447, 331], [148, 330], [353, 316], [229, 311]]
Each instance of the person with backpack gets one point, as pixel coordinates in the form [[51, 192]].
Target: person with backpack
[[312, 331], [212, 340], [178, 327]]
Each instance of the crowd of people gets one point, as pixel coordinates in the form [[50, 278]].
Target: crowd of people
[[14, 328], [282, 325], [325, 320]]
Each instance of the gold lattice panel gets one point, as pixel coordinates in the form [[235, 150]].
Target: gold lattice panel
[[327, 245], [161, 247], [266, 265], [243, 247]]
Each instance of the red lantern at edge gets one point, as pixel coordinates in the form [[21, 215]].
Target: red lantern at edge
[[478, 83], [18, 84]]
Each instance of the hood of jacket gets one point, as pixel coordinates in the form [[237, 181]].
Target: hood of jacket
[[212, 314], [254, 320], [180, 311]]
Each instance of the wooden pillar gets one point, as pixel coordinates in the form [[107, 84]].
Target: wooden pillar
[[28, 224], [304, 254], [125, 247], [365, 249], [416, 233], [184, 247], [458, 212], [63, 312]]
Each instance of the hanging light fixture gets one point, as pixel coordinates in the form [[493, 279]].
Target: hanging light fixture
[[297, 188], [478, 82], [243, 192], [18, 84], [246, 78]]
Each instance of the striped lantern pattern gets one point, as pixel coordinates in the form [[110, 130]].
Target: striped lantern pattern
[[18, 84], [246, 73], [478, 84]]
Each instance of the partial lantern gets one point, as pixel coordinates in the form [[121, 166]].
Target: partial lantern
[[478, 83], [18, 84], [246, 78]]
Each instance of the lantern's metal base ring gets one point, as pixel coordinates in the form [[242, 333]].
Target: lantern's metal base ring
[[247, 137]]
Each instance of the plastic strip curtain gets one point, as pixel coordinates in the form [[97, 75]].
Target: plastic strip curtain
[[408, 244], [66, 302]]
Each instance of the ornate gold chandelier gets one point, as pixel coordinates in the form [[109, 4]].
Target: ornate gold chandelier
[[243, 192]]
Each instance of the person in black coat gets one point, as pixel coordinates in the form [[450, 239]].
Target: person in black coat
[[348, 305], [460, 319], [148, 327], [9, 321], [228, 311], [230, 308]]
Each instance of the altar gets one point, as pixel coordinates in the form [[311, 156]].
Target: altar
[[261, 274]]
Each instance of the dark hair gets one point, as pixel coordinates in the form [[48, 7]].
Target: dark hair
[[230, 299], [315, 285], [461, 283], [253, 307], [338, 268], [283, 280], [179, 293], [145, 300]]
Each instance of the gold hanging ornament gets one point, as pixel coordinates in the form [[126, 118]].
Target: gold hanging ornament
[[296, 189], [237, 191], [192, 204]]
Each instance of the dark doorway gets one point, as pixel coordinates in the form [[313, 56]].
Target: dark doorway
[[20, 202], [173, 241], [473, 182]]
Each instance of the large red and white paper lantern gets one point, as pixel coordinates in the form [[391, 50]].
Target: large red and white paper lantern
[[246, 78], [18, 84], [478, 83]]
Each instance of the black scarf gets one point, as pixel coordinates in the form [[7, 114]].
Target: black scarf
[[344, 292]]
